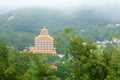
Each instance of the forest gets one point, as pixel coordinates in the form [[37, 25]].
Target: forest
[[81, 61], [19, 27], [75, 34]]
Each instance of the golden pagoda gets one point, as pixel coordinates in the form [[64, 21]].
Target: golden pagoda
[[44, 43]]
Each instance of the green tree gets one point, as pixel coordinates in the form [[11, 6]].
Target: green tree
[[87, 63], [3, 60], [15, 65]]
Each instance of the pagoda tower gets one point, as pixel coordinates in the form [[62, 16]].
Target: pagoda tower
[[44, 43]]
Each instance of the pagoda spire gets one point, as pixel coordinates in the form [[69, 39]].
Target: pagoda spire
[[44, 32]]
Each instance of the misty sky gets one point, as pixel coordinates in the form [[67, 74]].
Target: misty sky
[[60, 4]]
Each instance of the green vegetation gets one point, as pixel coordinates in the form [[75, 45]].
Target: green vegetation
[[88, 64], [82, 61], [18, 28], [16, 65]]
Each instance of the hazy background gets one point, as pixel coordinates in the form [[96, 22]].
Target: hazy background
[[59, 4], [21, 20]]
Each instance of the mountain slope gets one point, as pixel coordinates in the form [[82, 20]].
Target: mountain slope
[[18, 28]]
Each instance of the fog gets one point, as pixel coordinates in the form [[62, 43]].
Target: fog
[[58, 4], [108, 7]]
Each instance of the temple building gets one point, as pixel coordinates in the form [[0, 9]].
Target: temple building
[[44, 43]]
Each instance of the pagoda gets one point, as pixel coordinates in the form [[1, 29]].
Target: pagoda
[[44, 43]]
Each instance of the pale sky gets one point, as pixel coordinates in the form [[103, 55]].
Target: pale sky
[[60, 4]]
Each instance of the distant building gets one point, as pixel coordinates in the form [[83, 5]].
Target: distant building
[[110, 25], [54, 67], [116, 40], [113, 25], [44, 43]]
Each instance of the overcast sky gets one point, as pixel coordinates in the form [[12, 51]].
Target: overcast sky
[[60, 4]]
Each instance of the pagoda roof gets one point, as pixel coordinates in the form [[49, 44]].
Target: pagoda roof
[[43, 38]]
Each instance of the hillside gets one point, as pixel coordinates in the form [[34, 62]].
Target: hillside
[[18, 28]]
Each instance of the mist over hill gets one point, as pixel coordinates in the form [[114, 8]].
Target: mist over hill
[[19, 27]]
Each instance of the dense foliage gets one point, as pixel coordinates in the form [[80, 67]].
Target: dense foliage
[[87, 63], [16, 65], [82, 61]]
